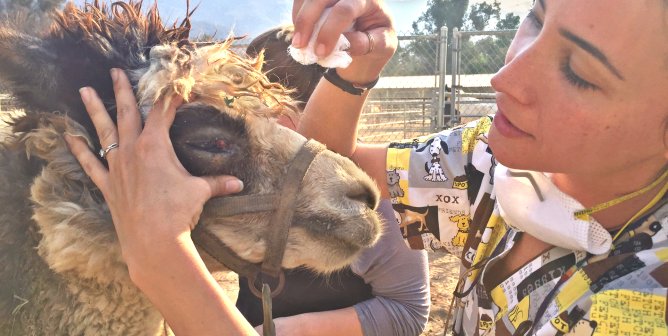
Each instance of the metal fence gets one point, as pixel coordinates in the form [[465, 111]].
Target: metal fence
[[402, 105], [420, 85], [476, 56]]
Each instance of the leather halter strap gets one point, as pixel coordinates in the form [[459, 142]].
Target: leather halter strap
[[283, 204]]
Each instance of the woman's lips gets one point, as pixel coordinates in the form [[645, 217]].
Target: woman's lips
[[506, 128]]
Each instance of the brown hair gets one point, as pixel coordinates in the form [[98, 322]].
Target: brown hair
[[279, 65]]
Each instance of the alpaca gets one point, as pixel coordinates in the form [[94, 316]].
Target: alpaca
[[61, 270]]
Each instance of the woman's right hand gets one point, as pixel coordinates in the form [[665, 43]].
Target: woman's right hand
[[365, 16]]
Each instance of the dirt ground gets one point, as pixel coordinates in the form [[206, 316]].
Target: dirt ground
[[443, 269]]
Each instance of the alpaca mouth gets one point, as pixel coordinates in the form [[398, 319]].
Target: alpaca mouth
[[353, 232]]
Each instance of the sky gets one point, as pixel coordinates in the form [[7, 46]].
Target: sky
[[405, 12], [252, 17]]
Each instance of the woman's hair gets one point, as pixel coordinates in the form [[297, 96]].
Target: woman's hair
[[280, 67]]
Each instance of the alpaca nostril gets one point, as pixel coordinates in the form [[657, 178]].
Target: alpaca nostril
[[368, 196]]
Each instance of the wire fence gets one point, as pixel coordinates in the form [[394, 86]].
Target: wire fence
[[402, 104], [475, 57], [420, 85]]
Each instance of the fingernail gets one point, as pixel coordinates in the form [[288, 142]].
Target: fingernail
[[234, 186], [114, 74], [320, 50], [85, 94], [297, 40]]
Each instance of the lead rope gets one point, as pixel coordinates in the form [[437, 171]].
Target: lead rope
[[268, 327]]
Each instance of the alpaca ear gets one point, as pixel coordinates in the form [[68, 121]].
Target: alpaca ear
[[28, 69]]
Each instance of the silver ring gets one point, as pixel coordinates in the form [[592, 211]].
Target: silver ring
[[104, 151], [371, 44]]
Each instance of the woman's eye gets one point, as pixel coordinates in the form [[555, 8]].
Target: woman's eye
[[573, 78]]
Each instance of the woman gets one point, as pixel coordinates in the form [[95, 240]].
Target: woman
[[575, 242], [564, 97]]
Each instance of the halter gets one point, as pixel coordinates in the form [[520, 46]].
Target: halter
[[276, 237]]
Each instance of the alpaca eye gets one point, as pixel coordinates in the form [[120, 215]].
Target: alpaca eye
[[213, 146]]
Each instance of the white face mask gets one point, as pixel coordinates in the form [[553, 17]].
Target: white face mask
[[545, 212]]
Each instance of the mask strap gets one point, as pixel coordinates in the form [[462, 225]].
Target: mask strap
[[585, 213]]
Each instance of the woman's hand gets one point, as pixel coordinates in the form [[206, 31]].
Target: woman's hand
[[366, 16], [154, 202]]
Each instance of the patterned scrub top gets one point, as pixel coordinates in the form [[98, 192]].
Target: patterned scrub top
[[442, 191]]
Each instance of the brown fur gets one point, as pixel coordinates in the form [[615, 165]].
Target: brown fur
[[61, 270]]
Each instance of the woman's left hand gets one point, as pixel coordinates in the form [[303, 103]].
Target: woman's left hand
[[373, 40], [154, 202]]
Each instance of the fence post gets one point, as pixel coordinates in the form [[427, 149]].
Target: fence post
[[454, 73], [442, 71]]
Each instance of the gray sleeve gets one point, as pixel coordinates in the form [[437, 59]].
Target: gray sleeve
[[399, 278]]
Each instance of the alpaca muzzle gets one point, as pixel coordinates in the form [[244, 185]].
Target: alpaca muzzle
[[283, 205]]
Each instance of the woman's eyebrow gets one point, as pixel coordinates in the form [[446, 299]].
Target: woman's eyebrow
[[591, 49]]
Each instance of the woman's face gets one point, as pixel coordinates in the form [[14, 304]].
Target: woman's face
[[584, 89]]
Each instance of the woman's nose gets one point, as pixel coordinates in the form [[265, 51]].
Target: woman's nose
[[517, 77]]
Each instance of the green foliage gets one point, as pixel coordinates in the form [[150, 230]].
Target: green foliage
[[510, 21], [481, 13], [439, 13], [485, 55]]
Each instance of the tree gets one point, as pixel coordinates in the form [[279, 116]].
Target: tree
[[439, 13], [420, 55], [481, 13], [510, 21]]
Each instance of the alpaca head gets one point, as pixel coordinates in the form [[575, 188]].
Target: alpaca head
[[227, 124]]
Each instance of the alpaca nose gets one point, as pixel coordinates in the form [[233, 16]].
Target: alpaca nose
[[365, 193]]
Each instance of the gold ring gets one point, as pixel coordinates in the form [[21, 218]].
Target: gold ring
[[371, 44], [104, 151]]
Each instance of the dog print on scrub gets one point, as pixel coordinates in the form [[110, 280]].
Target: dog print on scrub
[[409, 217], [414, 221], [433, 167], [463, 223], [393, 184]]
